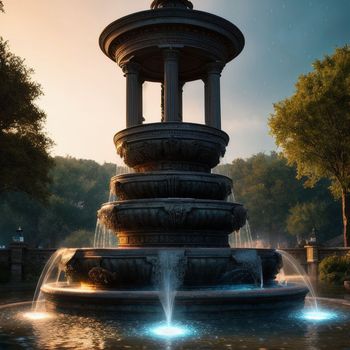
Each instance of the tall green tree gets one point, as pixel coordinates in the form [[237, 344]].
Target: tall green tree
[[313, 127], [24, 146]]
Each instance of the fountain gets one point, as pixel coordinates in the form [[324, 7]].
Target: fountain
[[173, 215], [172, 219]]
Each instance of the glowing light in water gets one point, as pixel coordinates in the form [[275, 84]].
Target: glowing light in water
[[170, 331], [318, 315], [86, 286], [37, 316]]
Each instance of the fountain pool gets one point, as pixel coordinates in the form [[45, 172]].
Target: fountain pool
[[286, 331]]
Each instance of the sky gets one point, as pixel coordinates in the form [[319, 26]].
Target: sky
[[85, 91]]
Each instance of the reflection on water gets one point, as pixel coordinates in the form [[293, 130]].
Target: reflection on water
[[82, 333]]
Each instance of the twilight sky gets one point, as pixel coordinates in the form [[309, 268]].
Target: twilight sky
[[85, 91]]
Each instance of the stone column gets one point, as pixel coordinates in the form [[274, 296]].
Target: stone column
[[181, 87], [171, 86], [133, 91], [212, 95], [140, 86], [162, 102]]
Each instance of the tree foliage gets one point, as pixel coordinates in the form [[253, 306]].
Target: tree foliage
[[265, 184], [78, 189], [268, 188], [335, 269], [304, 217], [313, 126], [24, 146]]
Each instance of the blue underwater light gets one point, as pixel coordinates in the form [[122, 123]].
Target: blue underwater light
[[170, 331], [318, 315]]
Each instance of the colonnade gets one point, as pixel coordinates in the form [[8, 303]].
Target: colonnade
[[172, 90]]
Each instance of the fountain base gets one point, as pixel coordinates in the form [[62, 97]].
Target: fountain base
[[192, 303]]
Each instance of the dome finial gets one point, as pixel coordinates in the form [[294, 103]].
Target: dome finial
[[156, 4]]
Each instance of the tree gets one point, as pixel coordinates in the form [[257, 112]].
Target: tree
[[313, 127], [304, 217], [1, 7], [24, 147]]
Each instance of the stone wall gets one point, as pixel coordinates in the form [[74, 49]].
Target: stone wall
[[20, 263]]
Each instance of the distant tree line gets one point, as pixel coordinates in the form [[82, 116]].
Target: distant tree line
[[280, 208], [78, 188]]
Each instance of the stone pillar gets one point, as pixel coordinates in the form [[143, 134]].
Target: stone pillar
[[133, 91], [212, 95], [171, 86], [162, 103], [181, 87], [16, 260], [140, 85], [312, 262]]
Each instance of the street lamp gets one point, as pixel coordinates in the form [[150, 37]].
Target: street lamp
[[18, 237]]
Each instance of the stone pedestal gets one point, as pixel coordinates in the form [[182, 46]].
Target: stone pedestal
[[312, 262]]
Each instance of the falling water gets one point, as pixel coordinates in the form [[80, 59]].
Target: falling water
[[301, 272], [243, 237], [170, 278], [251, 261], [51, 272], [104, 237]]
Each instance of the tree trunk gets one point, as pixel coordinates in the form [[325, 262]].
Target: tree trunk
[[345, 201]]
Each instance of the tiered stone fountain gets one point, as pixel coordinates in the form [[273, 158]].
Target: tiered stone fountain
[[172, 202]]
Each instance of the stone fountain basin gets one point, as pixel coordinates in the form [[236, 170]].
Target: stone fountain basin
[[126, 304], [198, 267], [166, 184], [172, 221], [171, 146]]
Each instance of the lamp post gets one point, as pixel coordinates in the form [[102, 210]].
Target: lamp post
[[18, 237]]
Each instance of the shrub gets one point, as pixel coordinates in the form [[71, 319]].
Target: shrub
[[335, 269]]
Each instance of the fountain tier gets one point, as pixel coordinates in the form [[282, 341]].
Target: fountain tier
[[208, 280]]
